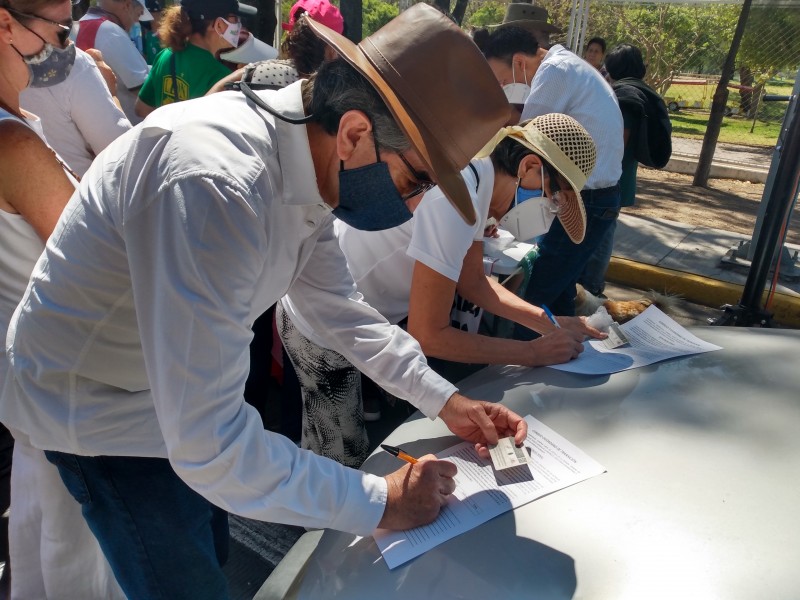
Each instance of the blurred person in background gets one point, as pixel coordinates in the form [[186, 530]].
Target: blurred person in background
[[193, 33], [595, 54], [151, 43], [106, 27], [53, 553], [80, 115], [647, 133]]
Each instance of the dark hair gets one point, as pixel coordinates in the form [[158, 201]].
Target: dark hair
[[337, 87], [624, 61], [303, 47], [506, 41], [599, 41]]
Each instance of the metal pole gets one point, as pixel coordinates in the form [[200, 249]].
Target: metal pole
[[571, 30], [779, 148], [779, 206]]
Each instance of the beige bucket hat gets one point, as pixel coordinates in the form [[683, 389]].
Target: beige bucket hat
[[437, 85], [566, 146]]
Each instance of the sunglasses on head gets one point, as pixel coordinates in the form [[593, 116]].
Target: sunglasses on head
[[63, 28]]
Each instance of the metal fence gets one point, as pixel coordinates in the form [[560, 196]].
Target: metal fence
[[685, 44]]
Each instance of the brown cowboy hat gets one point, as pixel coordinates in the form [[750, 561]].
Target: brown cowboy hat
[[528, 16], [437, 85]]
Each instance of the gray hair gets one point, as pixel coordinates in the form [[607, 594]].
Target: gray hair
[[338, 87]]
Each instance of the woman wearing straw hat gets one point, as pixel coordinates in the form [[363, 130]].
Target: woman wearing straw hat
[[413, 271], [129, 354]]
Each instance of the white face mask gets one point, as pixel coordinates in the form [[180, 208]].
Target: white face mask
[[231, 33], [531, 215], [517, 93]]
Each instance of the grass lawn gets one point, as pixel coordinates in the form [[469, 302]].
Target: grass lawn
[[735, 130], [691, 122]]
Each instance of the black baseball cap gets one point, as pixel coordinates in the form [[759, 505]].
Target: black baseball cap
[[211, 9]]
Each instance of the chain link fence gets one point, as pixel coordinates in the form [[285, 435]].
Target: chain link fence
[[685, 45]]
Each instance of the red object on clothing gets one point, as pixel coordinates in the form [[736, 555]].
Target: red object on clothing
[[87, 33]]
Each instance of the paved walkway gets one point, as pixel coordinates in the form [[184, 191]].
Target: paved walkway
[[685, 259]]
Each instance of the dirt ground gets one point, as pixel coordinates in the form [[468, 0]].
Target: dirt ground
[[727, 204]]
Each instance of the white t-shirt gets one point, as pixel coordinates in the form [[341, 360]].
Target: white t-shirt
[[121, 55], [78, 115], [565, 83], [382, 262]]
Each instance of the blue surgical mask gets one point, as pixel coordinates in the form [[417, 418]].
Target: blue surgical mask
[[522, 194], [368, 198]]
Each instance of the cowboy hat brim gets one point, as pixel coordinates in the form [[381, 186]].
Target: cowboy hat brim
[[530, 25], [440, 166]]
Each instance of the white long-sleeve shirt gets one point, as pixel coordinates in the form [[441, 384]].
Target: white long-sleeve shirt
[[565, 83], [132, 338]]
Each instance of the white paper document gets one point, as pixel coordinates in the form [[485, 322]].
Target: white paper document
[[483, 493], [653, 337]]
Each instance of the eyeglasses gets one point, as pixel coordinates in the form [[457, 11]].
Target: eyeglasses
[[423, 183], [64, 29]]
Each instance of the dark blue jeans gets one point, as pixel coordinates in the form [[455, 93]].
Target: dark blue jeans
[[561, 262], [162, 539]]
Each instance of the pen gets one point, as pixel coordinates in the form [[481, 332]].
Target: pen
[[399, 453], [550, 316]]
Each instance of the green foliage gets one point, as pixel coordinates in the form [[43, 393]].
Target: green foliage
[[488, 13], [376, 14]]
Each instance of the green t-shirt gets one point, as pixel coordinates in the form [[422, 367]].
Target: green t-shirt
[[197, 71], [151, 46]]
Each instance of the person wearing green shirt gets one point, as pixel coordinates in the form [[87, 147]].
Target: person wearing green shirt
[[192, 33], [151, 45]]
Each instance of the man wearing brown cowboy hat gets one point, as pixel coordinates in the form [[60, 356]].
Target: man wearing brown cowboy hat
[[129, 353]]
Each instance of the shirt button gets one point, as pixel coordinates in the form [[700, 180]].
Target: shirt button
[[311, 223]]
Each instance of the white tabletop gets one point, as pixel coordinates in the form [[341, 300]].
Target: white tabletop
[[700, 500]]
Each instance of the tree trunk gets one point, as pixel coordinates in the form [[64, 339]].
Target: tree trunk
[[459, 10], [718, 105], [442, 5], [746, 96], [352, 11]]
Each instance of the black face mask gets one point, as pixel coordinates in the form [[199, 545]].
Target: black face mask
[[368, 198]]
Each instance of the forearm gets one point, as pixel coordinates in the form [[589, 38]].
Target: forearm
[[498, 300], [455, 345]]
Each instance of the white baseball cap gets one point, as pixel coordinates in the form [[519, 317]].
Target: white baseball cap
[[146, 15]]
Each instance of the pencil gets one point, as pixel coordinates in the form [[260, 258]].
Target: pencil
[[399, 453]]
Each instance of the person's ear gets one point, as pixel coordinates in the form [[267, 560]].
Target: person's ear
[[355, 130], [220, 25], [518, 62], [530, 163]]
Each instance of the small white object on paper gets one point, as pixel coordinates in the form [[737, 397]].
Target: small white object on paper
[[653, 337], [483, 493], [505, 454], [615, 337]]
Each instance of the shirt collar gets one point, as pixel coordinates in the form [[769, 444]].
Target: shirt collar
[[294, 152]]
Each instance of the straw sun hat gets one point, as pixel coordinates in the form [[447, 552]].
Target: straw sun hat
[[438, 87], [567, 146]]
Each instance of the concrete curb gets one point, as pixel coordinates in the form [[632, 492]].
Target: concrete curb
[[687, 165], [694, 288]]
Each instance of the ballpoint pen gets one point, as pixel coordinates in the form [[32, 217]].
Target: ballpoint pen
[[550, 316], [399, 453]]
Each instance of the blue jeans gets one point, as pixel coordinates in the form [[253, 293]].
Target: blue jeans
[[593, 278], [561, 262], [162, 539]]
